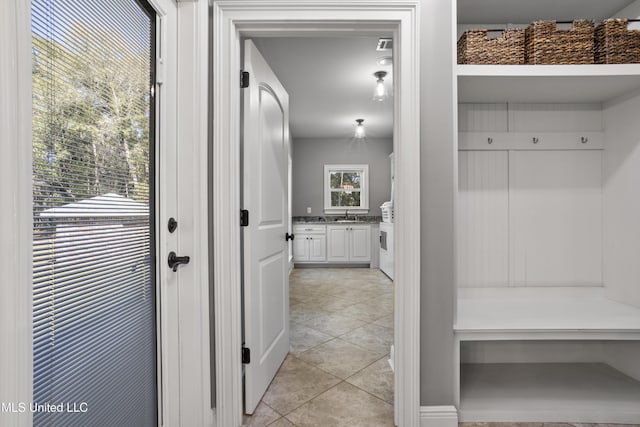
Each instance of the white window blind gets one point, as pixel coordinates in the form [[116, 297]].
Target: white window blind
[[93, 272]]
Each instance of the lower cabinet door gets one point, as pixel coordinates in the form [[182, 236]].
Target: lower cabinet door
[[318, 248], [337, 243], [301, 248], [360, 247]]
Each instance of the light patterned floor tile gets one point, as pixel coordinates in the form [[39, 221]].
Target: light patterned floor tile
[[334, 324], [386, 321], [344, 406], [361, 311], [373, 337], [376, 379], [303, 338], [262, 416], [339, 357], [282, 422], [299, 312], [295, 383]]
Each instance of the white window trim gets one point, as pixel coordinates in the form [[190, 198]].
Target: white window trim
[[364, 189]]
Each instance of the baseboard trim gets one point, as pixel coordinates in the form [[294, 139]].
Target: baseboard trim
[[438, 416]]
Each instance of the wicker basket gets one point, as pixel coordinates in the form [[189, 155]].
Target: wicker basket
[[475, 47], [615, 44], [545, 44]]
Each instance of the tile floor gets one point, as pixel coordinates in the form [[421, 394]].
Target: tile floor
[[337, 372]]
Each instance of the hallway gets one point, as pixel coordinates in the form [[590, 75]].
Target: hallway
[[337, 372]]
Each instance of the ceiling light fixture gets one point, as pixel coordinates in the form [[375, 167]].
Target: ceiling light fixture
[[380, 94], [384, 60], [359, 129]]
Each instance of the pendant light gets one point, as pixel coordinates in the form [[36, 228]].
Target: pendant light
[[360, 133], [380, 93]]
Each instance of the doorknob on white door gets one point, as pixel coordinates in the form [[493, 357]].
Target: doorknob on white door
[[174, 260]]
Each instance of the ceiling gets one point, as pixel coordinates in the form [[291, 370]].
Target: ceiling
[[524, 11], [330, 84]]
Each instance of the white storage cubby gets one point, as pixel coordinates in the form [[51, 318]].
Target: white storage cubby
[[548, 308]]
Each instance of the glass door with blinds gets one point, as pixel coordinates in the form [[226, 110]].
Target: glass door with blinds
[[94, 286]]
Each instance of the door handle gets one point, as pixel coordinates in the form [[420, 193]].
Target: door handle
[[288, 236], [174, 260]]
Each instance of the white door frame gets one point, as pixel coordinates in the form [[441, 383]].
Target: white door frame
[[235, 19], [182, 298]]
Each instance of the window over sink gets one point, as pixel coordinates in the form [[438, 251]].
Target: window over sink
[[346, 189]]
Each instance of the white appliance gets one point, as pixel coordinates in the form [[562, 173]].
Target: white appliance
[[386, 248]]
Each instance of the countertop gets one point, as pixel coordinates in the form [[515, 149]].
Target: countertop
[[335, 220]]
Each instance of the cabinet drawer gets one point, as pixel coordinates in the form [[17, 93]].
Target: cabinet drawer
[[309, 229]]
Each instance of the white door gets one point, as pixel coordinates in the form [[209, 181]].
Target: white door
[[265, 186]]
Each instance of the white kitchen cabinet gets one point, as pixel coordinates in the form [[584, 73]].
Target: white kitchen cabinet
[[349, 243], [309, 244], [317, 248]]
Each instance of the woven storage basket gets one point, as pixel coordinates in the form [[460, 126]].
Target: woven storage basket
[[475, 47], [545, 44], [615, 44]]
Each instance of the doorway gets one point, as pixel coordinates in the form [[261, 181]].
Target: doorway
[[232, 22], [341, 305]]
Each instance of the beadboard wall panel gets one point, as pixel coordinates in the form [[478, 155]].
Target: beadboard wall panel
[[621, 201], [482, 117], [483, 225], [555, 117], [555, 218]]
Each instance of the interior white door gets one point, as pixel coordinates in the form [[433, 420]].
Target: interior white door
[[265, 188]]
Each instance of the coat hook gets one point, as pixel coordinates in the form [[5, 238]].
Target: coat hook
[[490, 140], [584, 139], [535, 140]]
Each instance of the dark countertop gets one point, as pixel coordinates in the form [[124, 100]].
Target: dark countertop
[[324, 220]]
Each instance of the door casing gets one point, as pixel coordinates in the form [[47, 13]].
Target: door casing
[[233, 20]]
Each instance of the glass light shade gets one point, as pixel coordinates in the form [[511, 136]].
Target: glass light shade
[[360, 133], [380, 93]]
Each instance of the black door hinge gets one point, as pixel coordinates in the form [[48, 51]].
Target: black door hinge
[[244, 79], [244, 218], [246, 355]]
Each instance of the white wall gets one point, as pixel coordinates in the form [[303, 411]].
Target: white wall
[[438, 187], [310, 155], [631, 11], [622, 201]]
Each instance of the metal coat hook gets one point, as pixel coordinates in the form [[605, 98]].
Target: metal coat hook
[[584, 139], [535, 140]]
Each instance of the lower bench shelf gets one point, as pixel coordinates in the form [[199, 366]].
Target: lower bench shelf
[[548, 392]]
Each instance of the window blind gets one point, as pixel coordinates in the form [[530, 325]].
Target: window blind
[[94, 335]]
